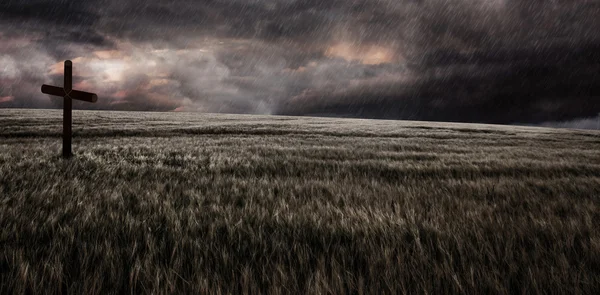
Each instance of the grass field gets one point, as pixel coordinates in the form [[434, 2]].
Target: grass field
[[197, 203]]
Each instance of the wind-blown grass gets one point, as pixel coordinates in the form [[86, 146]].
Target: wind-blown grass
[[194, 203]]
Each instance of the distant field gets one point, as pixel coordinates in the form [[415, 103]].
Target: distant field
[[197, 203]]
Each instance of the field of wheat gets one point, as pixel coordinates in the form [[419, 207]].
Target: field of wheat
[[205, 203]]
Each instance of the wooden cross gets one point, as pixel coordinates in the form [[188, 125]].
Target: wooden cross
[[68, 94]]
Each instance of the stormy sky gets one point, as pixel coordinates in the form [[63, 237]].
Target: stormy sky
[[489, 61]]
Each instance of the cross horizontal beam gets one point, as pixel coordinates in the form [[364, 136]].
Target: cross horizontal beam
[[74, 94]]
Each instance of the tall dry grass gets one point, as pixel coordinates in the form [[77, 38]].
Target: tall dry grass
[[192, 203]]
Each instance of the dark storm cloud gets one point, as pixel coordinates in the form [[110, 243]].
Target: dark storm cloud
[[500, 61], [531, 61], [79, 13], [496, 86], [54, 25]]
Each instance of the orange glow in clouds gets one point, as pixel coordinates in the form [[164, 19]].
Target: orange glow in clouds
[[109, 69], [368, 55], [6, 98], [109, 74]]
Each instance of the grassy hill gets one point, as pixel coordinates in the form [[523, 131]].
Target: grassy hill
[[185, 203]]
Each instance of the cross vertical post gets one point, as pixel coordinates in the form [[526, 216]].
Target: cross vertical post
[[67, 110]]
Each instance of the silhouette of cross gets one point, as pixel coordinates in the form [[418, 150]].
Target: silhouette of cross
[[68, 94]]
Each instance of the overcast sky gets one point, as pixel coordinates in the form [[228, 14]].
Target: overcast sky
[[490, 61]]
